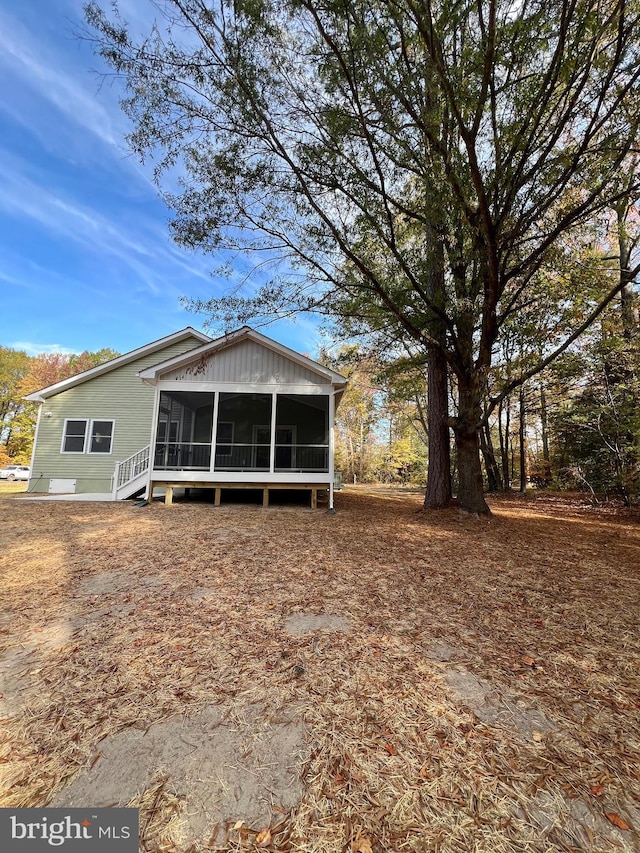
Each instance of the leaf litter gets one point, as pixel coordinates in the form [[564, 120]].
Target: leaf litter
[[463, 684]]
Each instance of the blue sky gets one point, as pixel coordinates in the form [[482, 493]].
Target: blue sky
[[85, 257]]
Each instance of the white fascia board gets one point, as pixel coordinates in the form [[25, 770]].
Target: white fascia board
[[153, 374], [246, 387], [79, 378]]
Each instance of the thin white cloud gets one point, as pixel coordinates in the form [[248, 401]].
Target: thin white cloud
[[142, 245], [33, 61], [41, 349]]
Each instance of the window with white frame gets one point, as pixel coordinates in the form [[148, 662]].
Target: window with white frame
[[83, 435]]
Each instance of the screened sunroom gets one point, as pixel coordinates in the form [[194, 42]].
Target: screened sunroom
[[228, 432], [242, 412]]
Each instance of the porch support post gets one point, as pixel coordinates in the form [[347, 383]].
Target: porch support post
[[272, 449], [332, 414], [148, 495], [214, 432]]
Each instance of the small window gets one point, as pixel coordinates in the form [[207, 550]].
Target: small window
[[84, 436], [101, 436], [75, 433]]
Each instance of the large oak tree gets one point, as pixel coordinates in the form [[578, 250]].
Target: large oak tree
[[318, 133]]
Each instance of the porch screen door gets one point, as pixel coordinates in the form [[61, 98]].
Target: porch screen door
[[285, 449], [261, 446]]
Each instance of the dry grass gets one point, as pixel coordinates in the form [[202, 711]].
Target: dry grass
[[9, 488], [120, 616]]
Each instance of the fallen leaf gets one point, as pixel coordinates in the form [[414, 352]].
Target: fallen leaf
[[390, 748], [263, 838], [538, 736], [423, 772], [616, 820], [362, 845], [238, 824], [597, 790], [528, 660]]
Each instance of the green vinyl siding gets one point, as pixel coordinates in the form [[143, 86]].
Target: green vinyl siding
[[119, 395]]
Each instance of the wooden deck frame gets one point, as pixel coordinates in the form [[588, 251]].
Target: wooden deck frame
[[169, 486]]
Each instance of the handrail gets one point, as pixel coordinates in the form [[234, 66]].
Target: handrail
[[132, 467]]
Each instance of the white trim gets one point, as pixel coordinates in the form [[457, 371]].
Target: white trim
[[243, 387], [161, 475], [35, 443], [153, 438], [332, 414], [51, 390], [214, 430], [272, 434]]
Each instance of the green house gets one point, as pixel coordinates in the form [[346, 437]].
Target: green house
[[186, 411]]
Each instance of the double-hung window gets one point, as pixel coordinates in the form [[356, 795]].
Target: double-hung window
[[82, 435]]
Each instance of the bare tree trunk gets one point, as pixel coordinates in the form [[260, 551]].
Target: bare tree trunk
[[438, 492], [504, 443], [470, 487], [494, 475], [522, 441], [544, 421], [628, 298]]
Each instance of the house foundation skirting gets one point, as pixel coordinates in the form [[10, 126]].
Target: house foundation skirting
[[169, 486]]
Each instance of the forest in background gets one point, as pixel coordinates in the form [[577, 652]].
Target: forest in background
[[575, 426]]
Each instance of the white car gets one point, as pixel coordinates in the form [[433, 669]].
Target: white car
[[15, 472]]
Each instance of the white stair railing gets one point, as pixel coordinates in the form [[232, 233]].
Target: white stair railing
[[131, 468]]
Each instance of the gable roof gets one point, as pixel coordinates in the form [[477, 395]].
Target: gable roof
[[154, 373], [120, 361]]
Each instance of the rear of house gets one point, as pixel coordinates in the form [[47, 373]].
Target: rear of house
[[242, 411], [89, 421]]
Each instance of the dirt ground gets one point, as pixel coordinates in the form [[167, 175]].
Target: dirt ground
[[381, 679]]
